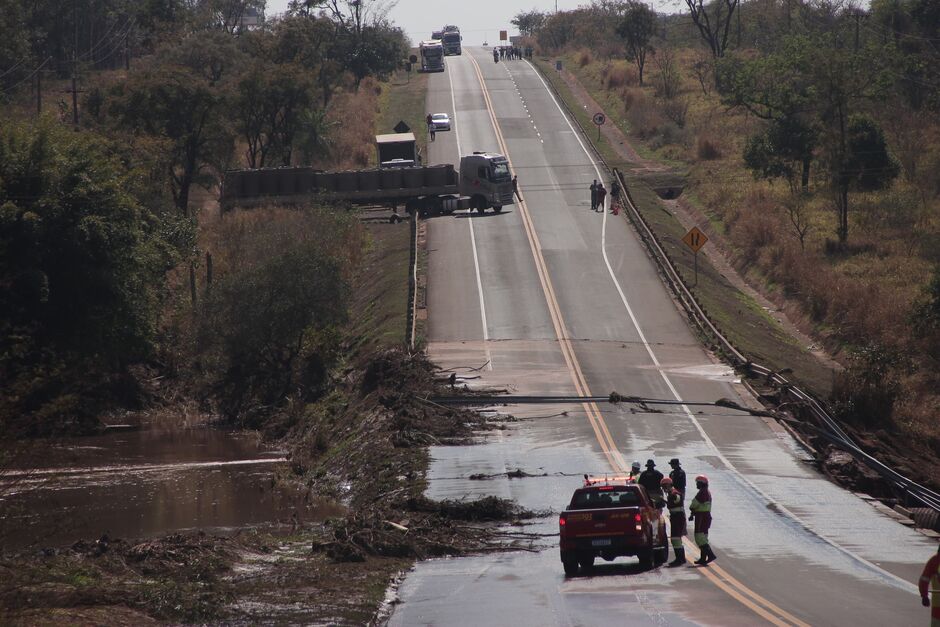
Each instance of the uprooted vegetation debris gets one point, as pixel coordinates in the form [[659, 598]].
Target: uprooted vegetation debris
[[364, 446]]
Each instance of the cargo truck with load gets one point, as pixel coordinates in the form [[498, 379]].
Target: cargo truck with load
[[482, 180]]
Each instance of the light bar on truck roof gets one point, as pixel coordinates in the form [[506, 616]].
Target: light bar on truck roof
[[607, 480]]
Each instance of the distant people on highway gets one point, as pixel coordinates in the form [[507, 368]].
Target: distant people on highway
[[594, 195], [601, 195], [701, 513], [676, 520], [515, 187], [651, 478], [677, 475], [930, 582], [432, 131], [496, 55]]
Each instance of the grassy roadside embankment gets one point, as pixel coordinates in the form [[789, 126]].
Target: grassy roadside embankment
[[856, 300], [743, 320]]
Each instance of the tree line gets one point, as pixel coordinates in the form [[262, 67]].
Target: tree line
[[96, 219]]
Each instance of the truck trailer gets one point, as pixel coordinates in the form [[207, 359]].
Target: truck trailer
[[482, 180]]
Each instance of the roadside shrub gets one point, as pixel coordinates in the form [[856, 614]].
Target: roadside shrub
[[584, 58], [706, 148], [865, 393], [668, 134], [644, 116], [268, 328], [676, 110], [620, 75]]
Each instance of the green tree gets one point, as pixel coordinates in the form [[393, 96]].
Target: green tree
[[637, 29], [175, 104], [783, 150], [82, 266], [863, 163], [528, 22], [270, 105]]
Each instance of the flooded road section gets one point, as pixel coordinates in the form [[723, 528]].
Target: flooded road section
[[142, 480]]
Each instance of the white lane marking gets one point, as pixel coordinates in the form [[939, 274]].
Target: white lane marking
[[897, 581], [473, 239]]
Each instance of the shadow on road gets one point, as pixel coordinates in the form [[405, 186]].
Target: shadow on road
[[611, 569]]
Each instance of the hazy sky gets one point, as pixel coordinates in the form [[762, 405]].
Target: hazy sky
[[479, 20]]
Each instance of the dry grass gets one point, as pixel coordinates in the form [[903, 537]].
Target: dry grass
[[854, 295], [584, 58], [352, 116]]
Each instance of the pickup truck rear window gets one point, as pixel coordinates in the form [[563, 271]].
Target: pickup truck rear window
[[596, 499]]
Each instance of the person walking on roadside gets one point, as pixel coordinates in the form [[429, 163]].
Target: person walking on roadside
[[651, 479], [601, 195], [678, 477], [594, 195], [930, 582], [701, 513], [515, 186], [676, 520]]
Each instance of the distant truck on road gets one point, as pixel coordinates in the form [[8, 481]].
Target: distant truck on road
[[482, 180], [450, 38], [432, 56], [609, 517]]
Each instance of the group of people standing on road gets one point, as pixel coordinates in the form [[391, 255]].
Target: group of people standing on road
[[599, 195], [511, 53], [673, 489]]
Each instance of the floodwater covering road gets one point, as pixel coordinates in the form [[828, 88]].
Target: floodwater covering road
[[557, 299], [139, 482]]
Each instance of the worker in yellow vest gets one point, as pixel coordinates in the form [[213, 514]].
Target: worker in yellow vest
[[930, 582]]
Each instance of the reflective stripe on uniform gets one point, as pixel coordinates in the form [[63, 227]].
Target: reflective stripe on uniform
[[676, 542], [701, 539], [700, 508]]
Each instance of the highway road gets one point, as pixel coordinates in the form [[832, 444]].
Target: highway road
[[552, 298]]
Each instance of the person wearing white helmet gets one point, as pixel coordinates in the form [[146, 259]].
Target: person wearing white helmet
[[701, 513], [634, 470]]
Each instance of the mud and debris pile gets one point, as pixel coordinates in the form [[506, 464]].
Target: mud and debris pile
[[369, 450]]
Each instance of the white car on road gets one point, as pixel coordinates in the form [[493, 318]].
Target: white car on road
[[441, 121]]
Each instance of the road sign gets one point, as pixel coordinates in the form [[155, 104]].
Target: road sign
[[599, 118], [503, 35], [695, 239], [401, 127]]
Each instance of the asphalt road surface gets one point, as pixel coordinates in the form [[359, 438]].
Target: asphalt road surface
[[550, 297]]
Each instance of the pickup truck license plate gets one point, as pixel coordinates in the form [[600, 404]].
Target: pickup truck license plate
[[601, 542]]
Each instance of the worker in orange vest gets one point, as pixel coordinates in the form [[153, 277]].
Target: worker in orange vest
[[701, 512], [930, 582]]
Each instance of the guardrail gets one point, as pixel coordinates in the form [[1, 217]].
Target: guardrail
[[828, 428]]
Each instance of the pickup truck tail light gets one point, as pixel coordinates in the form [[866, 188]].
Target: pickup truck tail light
[[639, 522], [562, 521]]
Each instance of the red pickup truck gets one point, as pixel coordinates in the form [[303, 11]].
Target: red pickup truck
[[609, 517]]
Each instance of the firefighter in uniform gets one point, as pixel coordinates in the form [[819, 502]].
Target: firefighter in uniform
[[930, 582], [678, 476], [634, 471], [676, 520], [701, 513]]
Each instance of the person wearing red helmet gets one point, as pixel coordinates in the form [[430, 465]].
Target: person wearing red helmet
[[701, 513], [676, 520]]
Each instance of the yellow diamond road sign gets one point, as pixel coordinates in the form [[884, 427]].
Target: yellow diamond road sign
[[695, 239]]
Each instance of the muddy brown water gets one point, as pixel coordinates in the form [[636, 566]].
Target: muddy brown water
[[143, 481]]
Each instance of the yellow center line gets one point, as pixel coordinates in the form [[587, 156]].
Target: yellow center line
[[598, 424], [718, 576]]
